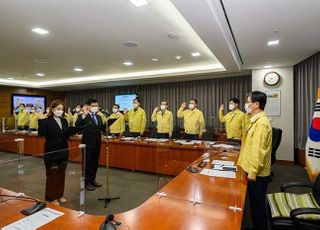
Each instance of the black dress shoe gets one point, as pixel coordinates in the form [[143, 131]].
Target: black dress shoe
[[96, 184], [90, 187]]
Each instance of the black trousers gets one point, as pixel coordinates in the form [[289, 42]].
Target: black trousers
[[257, 191], [134, 134], [163, 135], [92, 164], [191, 136], [55, 179]]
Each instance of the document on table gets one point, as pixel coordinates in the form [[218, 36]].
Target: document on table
[[218, 162], [35, 221], [223, 146], [218, 173]]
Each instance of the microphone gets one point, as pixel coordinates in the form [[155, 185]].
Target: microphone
[[195, 170], [31, 210], [108, 223]]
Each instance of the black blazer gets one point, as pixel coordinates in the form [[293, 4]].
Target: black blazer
[[54, 138], [91, 135]]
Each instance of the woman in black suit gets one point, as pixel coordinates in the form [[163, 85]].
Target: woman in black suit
[[53, 126]]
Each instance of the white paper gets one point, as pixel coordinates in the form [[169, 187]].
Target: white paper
[[218, 173], [184, 142], [273, 106], [160, 140], [223, 146], [218, 162], [35, 221]]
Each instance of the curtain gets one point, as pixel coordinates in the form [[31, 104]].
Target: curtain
[[306, 82], [209, 93]]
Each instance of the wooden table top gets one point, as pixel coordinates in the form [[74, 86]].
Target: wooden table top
[[175, 211]]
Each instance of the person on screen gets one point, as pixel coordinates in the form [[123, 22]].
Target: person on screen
[[117, 128], [164, 119], [77, 111], [234, 120], [34, 116], [194, 124], [91, 137], [136, 118], [255, 157], [23, 117], [51, 127]]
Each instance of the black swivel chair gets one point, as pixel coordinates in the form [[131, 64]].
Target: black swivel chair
[[276, 140], [297, 218]]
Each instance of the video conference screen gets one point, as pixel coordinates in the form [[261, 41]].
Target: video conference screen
[[125, 100], [37, 101]]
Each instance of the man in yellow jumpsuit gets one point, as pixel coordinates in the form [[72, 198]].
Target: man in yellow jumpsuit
[[255, 157], [136, 118], [117, 128], [22, 119], [194, 124], [234, 120], [34, 116], [164, 119]]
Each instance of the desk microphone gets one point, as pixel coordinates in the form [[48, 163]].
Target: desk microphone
[[31, 210], [108, 223], [195, 170]]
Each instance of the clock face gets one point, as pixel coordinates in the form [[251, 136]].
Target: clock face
[[272, 78]]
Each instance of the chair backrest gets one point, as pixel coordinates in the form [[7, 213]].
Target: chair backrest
[[316, 189], [276, 140]]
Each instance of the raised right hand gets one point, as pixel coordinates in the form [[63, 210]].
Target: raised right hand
[[183, 105], [41, 115], [125, 110], [156, 109], [85, 110], [221, 108]]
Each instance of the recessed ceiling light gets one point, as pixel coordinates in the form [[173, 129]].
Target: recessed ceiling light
[[155, 59], [196, 54], [128, 63], [267, 66], [139, 3], [40, 74], [78, 69], [273, 42], [40, 31], [10, 78], [177, 57]]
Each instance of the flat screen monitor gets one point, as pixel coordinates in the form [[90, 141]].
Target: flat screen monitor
[[125, 100], [29, 100]]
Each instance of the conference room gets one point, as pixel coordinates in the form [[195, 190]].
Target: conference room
[[159, 114]]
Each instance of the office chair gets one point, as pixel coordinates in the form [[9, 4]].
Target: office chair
[[295, 211], [276, 140]]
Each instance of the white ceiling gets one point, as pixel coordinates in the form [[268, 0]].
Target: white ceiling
[[90, 35]]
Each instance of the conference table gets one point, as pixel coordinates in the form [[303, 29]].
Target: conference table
[[188, 201]]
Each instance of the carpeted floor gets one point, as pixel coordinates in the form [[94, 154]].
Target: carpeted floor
[[133, 187]]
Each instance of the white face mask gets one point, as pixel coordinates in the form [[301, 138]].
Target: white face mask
[[191, 106], [162, 107], [77, 110], [94, 109], [47, 110], [231, 107], [58, 113], [247, 109], [135, 105], [33, 111], [114, 110]]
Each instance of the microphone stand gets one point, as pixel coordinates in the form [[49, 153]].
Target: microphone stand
[[107, 199]]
